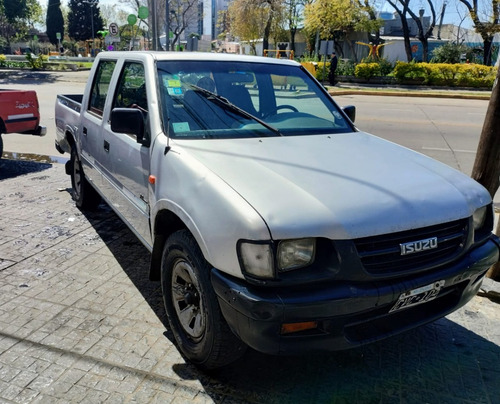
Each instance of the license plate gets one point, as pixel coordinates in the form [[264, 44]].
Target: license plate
[[417, 296]]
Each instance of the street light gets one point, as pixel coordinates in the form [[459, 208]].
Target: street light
[[92, 4]]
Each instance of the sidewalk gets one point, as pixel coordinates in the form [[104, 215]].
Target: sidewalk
[[81, 323]]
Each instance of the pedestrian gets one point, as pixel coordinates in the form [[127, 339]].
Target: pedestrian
[[333, 67]]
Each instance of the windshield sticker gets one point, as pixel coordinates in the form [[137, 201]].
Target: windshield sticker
[[337, 115], [180, 127], [173, 83], [174, 91]]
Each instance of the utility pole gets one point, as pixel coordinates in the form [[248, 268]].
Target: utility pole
[[167, 26], [486, 168]]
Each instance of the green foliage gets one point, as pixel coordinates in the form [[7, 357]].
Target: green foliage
[[445, 74], [14, 10], [367, 70], [450, 52], [35, 62], [385, 66], [81, 17], [54, 21], [345, 68]]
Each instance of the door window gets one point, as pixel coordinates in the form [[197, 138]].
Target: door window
[[100, 87], [131, 90]]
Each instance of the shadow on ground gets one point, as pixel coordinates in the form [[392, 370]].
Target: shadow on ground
[[15, 168], [441, 362], [24, 76]]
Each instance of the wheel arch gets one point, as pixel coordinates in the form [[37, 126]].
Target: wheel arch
[[166, 223]]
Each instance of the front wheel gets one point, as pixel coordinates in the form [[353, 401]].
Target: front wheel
[[84, 195], [195, 318]]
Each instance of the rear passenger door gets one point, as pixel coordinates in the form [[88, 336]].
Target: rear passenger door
[[126, 163], [90, 135]]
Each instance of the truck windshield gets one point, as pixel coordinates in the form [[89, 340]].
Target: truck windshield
[[214, 99]]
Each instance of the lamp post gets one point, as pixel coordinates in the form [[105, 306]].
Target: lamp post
[[167, 26], [92, 4]]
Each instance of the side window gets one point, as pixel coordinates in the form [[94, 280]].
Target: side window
[[100, 87], [131, 90]]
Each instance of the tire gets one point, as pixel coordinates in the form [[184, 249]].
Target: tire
[[193, 312], [1, 146], [84, 195]]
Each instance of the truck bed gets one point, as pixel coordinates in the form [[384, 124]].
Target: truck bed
[[68, 107]]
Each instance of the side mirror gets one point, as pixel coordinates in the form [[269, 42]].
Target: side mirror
[[129, 121], [350, 111]]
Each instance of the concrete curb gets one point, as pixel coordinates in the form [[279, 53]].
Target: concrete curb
[[404, 92]]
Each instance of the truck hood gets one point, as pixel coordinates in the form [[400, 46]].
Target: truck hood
[[340, 186]]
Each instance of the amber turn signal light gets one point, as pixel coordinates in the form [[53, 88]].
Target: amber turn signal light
[[289, 328]]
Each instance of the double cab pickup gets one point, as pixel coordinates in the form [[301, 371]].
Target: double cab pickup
[[272, 221]]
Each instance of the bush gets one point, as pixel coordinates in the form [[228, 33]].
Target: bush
[[367, 70], [345, 68], [439, 74], [450, 52], [35, 62]]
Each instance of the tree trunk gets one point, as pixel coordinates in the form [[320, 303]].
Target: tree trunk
[[487, 44], [292, 39], [425, 49], [486, 168], [267, 32]]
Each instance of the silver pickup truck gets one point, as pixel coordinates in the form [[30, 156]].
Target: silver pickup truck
[[272, 221]]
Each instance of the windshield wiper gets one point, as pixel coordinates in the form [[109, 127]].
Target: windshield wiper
[[209, 95]]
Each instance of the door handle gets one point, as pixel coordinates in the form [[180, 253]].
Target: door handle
[[106, 146], [84, 130]]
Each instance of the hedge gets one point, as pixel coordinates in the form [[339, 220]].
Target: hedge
[[434, 74], [445, 74]]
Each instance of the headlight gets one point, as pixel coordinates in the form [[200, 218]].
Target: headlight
[[294, 254], [257, 259], [478, 217]]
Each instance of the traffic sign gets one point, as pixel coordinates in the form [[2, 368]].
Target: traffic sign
[[113, 29]]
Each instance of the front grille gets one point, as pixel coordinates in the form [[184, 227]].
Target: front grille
[[382, 254]]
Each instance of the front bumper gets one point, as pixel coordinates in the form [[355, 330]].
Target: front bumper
[[348, 314]]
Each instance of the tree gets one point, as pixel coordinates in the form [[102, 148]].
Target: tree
[[12, 14], [486, 25], [15, 10], [34, 14], [404, 25], [294, 17], [54, 21], [337, 20], [183, 13], [486, 168], [375, 23], [423, 34], [247, 21], [82, 17]]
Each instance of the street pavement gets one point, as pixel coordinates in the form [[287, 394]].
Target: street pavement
[[81, 323]]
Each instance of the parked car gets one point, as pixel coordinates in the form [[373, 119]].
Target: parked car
[[272, 221], [19, 113]]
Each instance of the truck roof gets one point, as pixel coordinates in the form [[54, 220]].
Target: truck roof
[[195, 56]]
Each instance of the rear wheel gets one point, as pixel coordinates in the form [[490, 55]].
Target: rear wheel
[[193, 311], [84, 195]]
